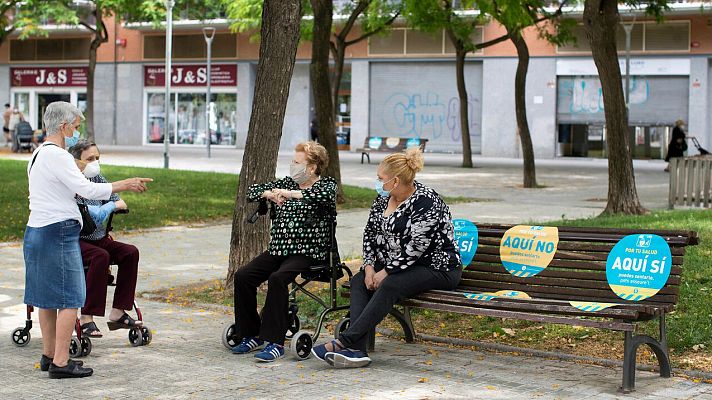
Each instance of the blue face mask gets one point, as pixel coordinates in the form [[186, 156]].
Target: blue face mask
[[380, 190], [71, 141]]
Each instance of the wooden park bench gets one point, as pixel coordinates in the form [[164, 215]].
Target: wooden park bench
[[576, 273], [388, 145]]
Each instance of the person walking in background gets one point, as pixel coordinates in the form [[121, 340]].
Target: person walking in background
[[6, 124], [678, 144], [54, 273]]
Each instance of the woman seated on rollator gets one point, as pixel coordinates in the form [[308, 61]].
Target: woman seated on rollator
[[296, 243], [99, 249], [408, 248]]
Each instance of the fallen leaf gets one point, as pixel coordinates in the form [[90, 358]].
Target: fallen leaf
[[423, 380], [509, 331], [429, 362], [490, 387]]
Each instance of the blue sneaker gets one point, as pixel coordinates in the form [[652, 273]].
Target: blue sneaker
[[271, 352], [247, 345], [347, 358], [320, 351]]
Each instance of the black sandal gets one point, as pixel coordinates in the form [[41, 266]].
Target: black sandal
[[125, 322], [89, 329]]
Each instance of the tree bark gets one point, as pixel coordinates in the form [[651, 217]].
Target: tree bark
[[321, 88], [601, 21], [279, 37], [460, 54], [100, 36], [520, 87]]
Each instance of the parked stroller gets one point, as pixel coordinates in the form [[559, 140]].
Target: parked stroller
[[23, 138], [702, 151], [330, 270], [80, 346]]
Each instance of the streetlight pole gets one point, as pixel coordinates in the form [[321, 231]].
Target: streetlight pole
[[209, 34], [167, 74]]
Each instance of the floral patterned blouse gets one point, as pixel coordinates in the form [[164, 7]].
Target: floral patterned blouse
[[419, 231], [299, 227]]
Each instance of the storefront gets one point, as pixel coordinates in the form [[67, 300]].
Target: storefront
[[188, 122], [659, 95], [33, 88]]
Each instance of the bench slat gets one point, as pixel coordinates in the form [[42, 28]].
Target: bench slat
[[564, 255], [488, 269], [525, 305], [549, 281], [570, 264], [586, 247], [554, 292], [606, 324]]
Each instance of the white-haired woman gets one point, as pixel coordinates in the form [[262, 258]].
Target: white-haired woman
[[54, 276]]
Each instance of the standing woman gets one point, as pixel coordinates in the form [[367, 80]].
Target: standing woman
[[54, 274], [408, 248], [678, 144]]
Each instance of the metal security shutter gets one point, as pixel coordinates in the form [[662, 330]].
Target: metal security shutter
[[654, 100], [419, 99]]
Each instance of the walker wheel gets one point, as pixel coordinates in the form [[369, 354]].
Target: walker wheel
[[341, 327], [75, 348], [146, 335], [230, 338], [135, 337], [20, 337], [85, 347], [301, 345]]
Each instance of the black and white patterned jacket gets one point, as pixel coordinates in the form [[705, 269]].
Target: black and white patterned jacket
[[419, 231]]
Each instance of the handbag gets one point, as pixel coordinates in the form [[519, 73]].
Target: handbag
[[88, 224]]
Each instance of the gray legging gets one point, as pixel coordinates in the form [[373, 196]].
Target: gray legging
[[368, 308]]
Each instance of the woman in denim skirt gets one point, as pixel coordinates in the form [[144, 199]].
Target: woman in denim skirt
[[54, 274]]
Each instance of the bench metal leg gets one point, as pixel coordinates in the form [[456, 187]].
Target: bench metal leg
[[632, 342], [403, 319], [368, 157]]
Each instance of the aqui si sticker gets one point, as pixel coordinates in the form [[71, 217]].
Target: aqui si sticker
[[591, 306], [527, 250], [638, 266], [375, 142], [466, 237], [511, 294]]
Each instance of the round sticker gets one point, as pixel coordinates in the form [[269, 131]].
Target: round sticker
[[591, 306], [466, 237], [527, 250], [412, 142], [480, 296], [392, 142], [374, 142], [638, 266]]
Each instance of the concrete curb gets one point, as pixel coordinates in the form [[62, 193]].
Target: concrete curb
[[546, 354]]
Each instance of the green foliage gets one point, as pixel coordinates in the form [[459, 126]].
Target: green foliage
[[435, 15], [31, 15], [155, 10]]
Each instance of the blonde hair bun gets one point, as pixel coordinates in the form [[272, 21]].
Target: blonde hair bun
[[414, 159]]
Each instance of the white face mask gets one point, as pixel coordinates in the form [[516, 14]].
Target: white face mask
[[92, 169], [299, 173]]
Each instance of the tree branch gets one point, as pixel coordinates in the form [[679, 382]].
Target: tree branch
[[373, 32], [84, 24], [360, 7]]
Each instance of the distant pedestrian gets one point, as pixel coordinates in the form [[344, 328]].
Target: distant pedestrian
[[678, 144], [6, 124], [314, 130]]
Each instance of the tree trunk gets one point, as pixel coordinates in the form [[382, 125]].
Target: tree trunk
[[460, 54], [520, 87], [601, 21], [339, 54], [279, 37], [321, 88]]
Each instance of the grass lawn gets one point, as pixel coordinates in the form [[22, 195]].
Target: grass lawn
[[689, 327], [174, 198]]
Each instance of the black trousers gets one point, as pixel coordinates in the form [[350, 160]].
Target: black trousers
[[279, 272], [368, 308]]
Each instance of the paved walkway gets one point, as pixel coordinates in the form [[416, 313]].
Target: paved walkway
[[187, 360]]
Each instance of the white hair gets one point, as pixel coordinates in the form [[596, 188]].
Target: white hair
[[58, 113]]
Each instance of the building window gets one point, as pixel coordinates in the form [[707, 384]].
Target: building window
[[190, 46], [68, 49], [645, 36], [403, 41]]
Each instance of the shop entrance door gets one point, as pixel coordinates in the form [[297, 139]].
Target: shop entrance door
[[44, 99]]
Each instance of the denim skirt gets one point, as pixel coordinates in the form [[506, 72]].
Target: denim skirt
[[54, 273]]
